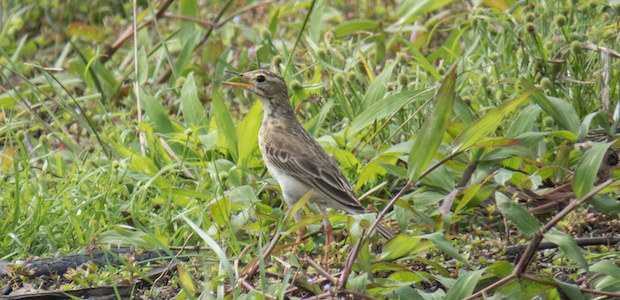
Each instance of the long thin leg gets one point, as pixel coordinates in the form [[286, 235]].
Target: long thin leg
[[328, 238], [300, 235]]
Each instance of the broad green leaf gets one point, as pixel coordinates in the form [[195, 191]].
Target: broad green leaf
[[248, 133], [378, 88], [568, 246], [606, 267], [440, 241], [605, 204], [406, 277], [185, 279], [524, 122], [399, 246], [564, 134], [193, 112], [560, 110], [585, 125], [381, 109], [517, 214], [487, 124], [429, 137], [353, 26], [571, 290], [500, 268], [585, 174], [225, 125], [156, 112], [464, 285]]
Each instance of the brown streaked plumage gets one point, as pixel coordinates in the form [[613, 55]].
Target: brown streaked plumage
[[292, 156]]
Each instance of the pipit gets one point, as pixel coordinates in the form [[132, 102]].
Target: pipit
[[295, 159]]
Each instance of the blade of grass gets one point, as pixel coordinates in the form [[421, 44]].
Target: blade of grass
[[431, 134]]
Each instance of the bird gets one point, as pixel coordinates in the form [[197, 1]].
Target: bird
[[293, 157]]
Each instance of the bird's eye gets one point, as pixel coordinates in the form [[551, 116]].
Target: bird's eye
[[260, 78]]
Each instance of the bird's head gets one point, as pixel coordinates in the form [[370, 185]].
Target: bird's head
[[265, 84]]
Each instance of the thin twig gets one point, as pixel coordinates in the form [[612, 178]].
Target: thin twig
[[590, 241], [251, 288], [251, 269], [492, 286], [321, 271]]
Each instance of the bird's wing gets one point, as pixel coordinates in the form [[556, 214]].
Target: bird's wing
[[297, 154]]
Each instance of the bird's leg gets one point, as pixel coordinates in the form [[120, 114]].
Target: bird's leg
[[328, 235], [328, 238], [300, 233]]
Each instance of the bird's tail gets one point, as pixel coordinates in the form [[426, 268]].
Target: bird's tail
[[385, 232]]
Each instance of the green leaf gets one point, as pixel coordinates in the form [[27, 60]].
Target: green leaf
[[426, 65], [429, 137], [192, 109], [568, 246], [353, 26], [378, 88], [606, 267], [560, 110], [500, 268], [605, 204], [524, 122], [399, 246], [587, 168], [517, 214], [381, 109], [440, 241], [571, 290], [410, 9], [156, 112], [225, 125], [224, 262], [248, 133], [143, 67], [487, 124], [464, 285]]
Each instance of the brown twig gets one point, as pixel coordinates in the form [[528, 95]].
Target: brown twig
[[251, 269], [248, 286], [591, 241], [321, 271]]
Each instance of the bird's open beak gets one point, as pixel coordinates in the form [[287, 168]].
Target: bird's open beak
[[247, 83]]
